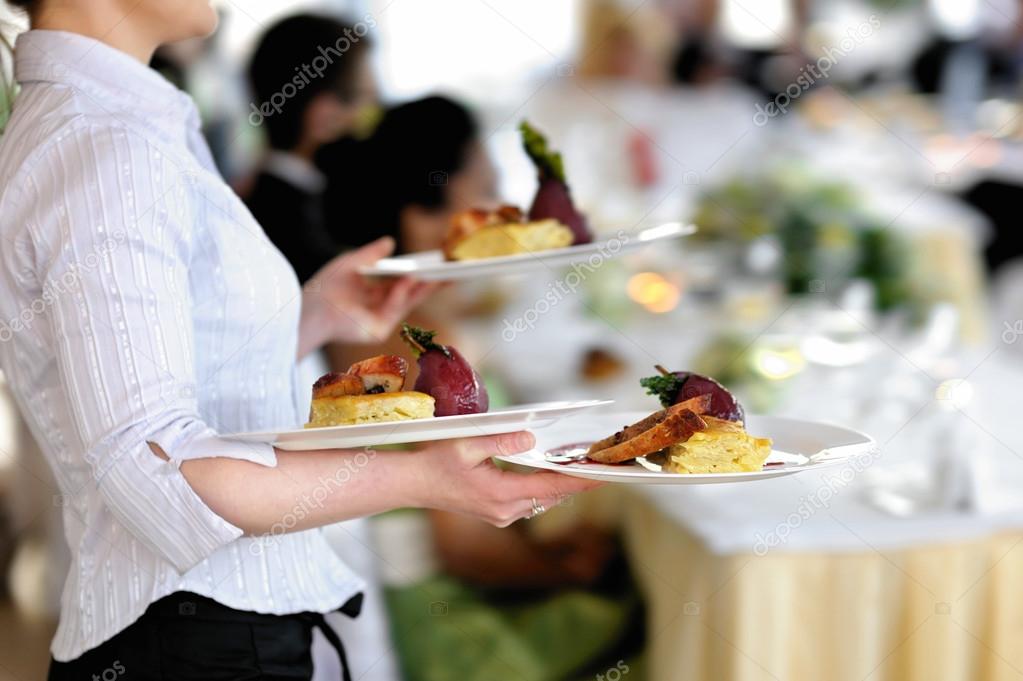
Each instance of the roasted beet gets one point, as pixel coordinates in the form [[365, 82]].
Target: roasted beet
[[446, 376], [553, 199], [672, 387]]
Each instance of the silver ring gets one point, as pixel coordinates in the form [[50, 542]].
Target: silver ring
[[538, 508]]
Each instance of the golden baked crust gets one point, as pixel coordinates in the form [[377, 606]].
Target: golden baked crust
[[477, 234], [346, 410], [722, 447], [530, 237]]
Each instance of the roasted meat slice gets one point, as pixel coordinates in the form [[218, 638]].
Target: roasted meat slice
[[337, 384], [698, 405], [675, 427], [381, 374]]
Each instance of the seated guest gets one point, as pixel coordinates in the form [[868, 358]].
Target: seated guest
[[424, 162], [302, 109]]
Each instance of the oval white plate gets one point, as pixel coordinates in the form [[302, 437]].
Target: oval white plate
[[797, 446], [508, 420], [431, 265]]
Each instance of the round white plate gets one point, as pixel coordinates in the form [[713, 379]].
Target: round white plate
[[508, 420], [797, 446], [431, 265]]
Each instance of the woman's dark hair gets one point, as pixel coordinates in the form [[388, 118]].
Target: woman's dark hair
[[413, 152], [298, 58]]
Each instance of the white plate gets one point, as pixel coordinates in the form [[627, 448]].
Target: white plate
[[495, 422], [431, 265], [797, 446]]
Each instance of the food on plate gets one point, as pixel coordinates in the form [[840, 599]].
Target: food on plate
[[699, 430], [553, 199], [722, 447], [373, 390], [349, 410], [370, 391], [675, 427], [697, 406], [381, 374], [476, 234], [446, 375], [672, 387]]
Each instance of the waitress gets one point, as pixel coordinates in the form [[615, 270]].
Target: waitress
[[144, 313]]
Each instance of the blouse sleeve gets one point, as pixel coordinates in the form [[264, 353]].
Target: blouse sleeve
[[113, 227]]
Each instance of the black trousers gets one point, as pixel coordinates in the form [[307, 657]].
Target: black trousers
[[186, 637]]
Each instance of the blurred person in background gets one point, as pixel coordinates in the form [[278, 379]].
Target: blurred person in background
[[624, 43], [698, 58], [423, 163], [303, 108], [556, 605]]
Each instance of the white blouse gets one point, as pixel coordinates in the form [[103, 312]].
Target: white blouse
[[141, 302]]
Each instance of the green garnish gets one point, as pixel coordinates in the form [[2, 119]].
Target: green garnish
[[421, 340], [548, 162], [665, 386]]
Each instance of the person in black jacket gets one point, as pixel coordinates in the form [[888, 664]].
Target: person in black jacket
[[312, 83], [425, 161]]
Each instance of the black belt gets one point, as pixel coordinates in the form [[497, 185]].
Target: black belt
[[320, 622], [352, 608]]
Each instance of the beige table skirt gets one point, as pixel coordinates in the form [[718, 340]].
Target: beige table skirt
[[942, 613], [946, 613]]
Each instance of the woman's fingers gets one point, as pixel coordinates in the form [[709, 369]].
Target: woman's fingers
[[548, 489], [401, 297], [476, 450], [522, 508], [475, 486], [549, 486], [370, 253]]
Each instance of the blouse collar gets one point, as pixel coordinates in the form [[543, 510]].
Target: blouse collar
[[115, 81]]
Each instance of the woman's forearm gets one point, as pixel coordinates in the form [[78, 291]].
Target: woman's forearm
[[312, 489], [305, 489]]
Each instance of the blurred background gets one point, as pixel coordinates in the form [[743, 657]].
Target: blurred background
[[855, 169]]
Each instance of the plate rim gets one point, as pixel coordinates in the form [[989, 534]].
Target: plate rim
[[454, 267], [365, 429]]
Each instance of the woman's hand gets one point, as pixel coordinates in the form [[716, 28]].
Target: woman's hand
[[458, 476], [339, 304]]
